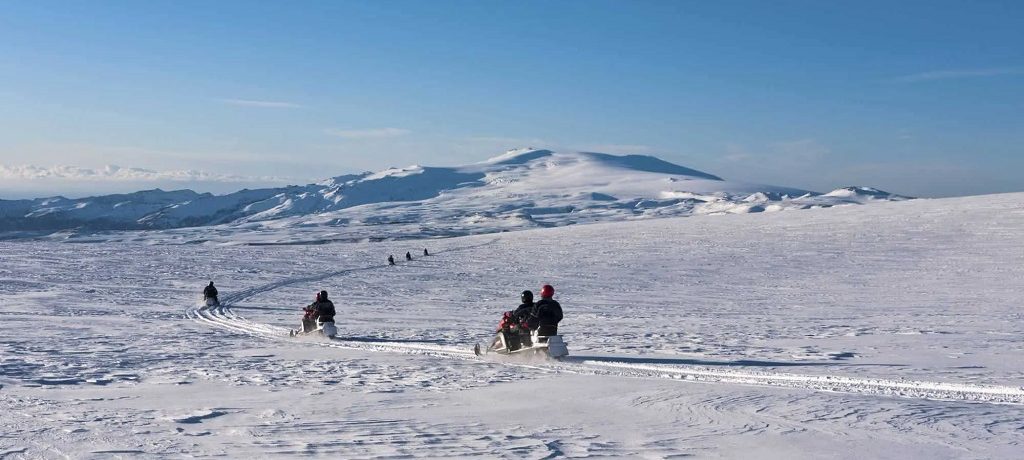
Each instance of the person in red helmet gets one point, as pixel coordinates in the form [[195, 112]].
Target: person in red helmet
[[547, 312]]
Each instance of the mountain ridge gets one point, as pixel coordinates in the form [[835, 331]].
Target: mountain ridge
[[518, 189]]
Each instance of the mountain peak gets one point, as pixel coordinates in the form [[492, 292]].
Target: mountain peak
[[518, 156], [521, 188]]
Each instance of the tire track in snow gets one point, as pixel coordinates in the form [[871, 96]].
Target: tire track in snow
[[831, 383]]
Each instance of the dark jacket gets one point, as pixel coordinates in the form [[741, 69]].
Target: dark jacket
[[209, 292], [524, 313], [323, 311], [547, 312]]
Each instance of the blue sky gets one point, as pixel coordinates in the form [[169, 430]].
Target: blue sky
[[923, 98]]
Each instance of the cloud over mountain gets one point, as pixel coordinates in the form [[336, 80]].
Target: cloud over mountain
[[117, 173]]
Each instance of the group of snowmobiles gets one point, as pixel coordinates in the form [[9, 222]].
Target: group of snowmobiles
[[532, 328]]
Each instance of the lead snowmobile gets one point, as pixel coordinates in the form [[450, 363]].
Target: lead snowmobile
[[516, 338]]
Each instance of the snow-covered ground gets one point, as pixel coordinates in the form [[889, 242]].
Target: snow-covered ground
[[885, 331]]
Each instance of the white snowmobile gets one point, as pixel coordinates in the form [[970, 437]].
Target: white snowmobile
[[211, 301], [514, 340], [326, 329]]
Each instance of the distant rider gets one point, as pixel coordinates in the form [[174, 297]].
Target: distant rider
[[547, 312], [391, 259], [425, 253], [210, 292], [408, 255]]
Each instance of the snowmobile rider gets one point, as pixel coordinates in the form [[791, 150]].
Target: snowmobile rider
[[210, 292], [514, 327], [547, 313], [391, 259], [321, 310], [524, 313], [408, 255], [425, 253]]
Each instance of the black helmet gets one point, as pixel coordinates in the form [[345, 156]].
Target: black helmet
[[323, 295], [211, 283], [527, 297]]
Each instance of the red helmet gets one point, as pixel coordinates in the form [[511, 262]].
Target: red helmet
[[547, 291]]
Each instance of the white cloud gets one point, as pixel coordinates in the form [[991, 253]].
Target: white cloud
[[261, 104], [958, 74], [113, 173], [373, 133]]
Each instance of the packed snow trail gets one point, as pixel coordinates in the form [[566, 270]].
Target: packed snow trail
[[222, 316]]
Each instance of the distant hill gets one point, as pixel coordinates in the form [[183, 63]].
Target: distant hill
[[519, 189]]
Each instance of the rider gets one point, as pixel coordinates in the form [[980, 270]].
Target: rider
[[547, 313], [514, 327], [524, 313], [321, 310], [210, 292], [309, 315], [324, 308]]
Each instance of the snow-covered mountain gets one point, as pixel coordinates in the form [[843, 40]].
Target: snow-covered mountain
[[518, 189]]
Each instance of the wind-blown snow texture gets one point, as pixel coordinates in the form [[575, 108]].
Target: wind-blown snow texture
[[517, 190], [892, 330]]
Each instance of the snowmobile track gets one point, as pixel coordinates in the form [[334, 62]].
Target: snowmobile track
[[223, 317]]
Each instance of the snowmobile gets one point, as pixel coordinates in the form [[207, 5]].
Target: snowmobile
[[211, 301], [326, 329], [525, 344], [514, 339]]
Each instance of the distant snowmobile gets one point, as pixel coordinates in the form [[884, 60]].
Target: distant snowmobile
[[210, 296]]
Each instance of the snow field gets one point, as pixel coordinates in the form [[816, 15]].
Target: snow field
[[890, 330]]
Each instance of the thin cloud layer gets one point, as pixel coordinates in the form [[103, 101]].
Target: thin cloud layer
[[112, 173]]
